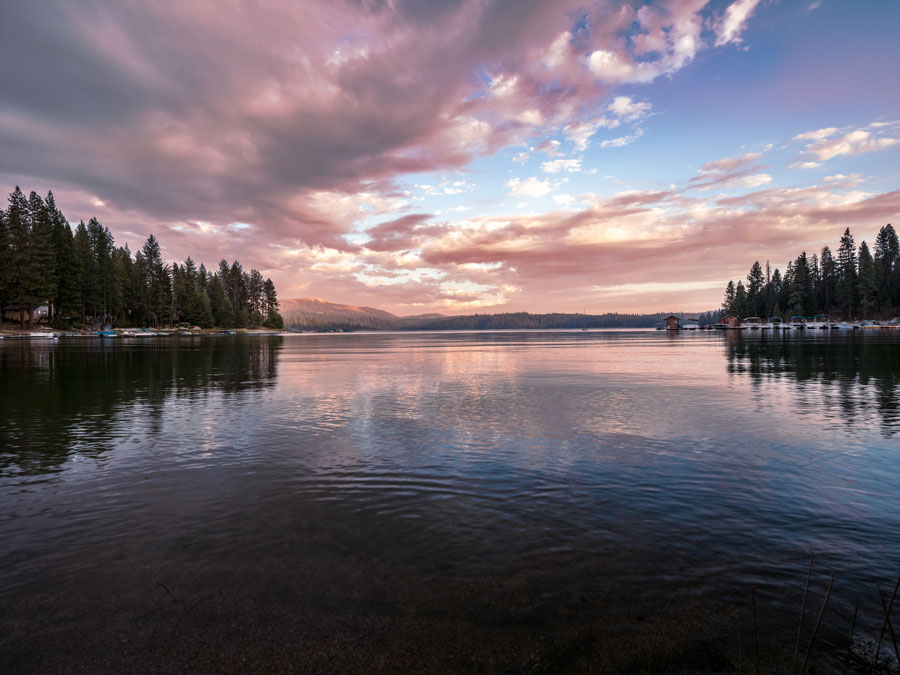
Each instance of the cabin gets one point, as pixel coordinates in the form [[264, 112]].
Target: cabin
[[672, 322], [39, 313], [731, 321]]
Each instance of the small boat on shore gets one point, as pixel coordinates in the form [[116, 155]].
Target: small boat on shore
[[107, 333]]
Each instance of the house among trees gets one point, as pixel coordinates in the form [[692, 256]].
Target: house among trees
[[18, 311]]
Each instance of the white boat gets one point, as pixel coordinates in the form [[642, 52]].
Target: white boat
[[774, 323], [819, 322], [870, 325], [843, 325], [751, 323], [692, 324], [798, 322], [47, 336]]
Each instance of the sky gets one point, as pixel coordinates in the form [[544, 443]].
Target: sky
[[465, 155]]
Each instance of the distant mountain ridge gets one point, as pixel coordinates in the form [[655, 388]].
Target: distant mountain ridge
[[318, 314]]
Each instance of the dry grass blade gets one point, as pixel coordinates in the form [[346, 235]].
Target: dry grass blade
[[887, 618], [818, 623], [802, 611], [852, 626], [755, 633]]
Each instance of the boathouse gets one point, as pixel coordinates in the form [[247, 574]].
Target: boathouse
[[731, 321], [672, 322]]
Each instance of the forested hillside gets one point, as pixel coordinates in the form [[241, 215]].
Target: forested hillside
[[84, 279]]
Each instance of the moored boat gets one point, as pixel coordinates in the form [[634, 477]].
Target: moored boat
[[818, 322], [798, 322], [107, 333], [774, 323], [751, 323]]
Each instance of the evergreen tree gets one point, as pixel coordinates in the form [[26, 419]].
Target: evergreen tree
[[799, 299], [199, 310], [42, 271], [775, 294], [223, 313], [825, 296], [90, 288], [755, 281], [270, 306], [17, 253], [867, 287], [740, 300], [846, 274], [728, 302], [887, 267], [4, 270], [68, 285]]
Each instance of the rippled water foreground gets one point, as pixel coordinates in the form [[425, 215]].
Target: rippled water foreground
[[446, 502]]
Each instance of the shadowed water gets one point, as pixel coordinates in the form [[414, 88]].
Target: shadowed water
[[448, 502]]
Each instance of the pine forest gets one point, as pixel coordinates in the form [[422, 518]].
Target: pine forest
[[84, 279]]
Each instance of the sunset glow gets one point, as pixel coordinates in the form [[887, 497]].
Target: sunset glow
[[463, 156]]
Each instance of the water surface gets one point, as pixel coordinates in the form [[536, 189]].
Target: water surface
[[447, 502]]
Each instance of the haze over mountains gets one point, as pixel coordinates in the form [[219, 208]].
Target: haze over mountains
[[318, 314]]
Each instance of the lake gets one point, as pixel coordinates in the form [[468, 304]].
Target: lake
[[516, 501]]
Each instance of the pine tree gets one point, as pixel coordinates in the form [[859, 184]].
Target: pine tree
[[775, 294], [270, 306], [867, 287], [728, 302], [755, 281], [69, 270], [89, 283], [740, 300], [199, 310], [846, 274], [223, 314], [4, 238], [887, 268], [825, 296], [42, 272], [799, 299]]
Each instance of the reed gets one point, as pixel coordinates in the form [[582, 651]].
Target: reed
[[802, 611], [852, 626], [818, 623], [887, 620], [755, 633]]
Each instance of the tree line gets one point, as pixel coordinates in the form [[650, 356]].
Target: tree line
[[853, 283], [83, 278]]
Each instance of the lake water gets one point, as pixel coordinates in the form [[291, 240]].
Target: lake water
[[600, 501]]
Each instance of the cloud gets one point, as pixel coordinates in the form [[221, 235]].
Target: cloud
[[622, 140], [730, 163], [733, 22], [627, 109], [530, 187], [830, 142], [561, 165]]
